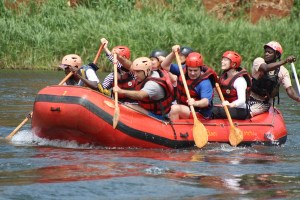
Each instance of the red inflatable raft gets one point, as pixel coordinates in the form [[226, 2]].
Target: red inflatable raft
[[72, 113]]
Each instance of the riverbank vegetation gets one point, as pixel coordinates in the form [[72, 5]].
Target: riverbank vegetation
[[37, 36]]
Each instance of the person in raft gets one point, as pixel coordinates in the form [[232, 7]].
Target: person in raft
[[200, 81], [153, 90], [157, 57], [268, 74], [126, 79], [172, 68], [167, 63], [82, 75], [235, 84]]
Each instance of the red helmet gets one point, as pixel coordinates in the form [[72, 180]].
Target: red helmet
[[234, 57], [123, 51], [275, 46], [194, 59]]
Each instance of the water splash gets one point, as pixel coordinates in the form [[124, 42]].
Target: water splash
[[28, 138]]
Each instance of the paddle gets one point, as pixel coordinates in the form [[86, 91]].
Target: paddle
[[27, 118], [117, 110], [98, 53], [236, 134], [296, 77], [60, 83], [199, 131]]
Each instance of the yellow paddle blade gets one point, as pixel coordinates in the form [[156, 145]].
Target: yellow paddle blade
[[200, 134], [235, 136], [116, 117]]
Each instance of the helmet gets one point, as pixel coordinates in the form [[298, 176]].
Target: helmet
[[157, 53], [234, 58], [194, 60], [186, 51], [142, 63], [71, 60], [123, 51], [275, 46]]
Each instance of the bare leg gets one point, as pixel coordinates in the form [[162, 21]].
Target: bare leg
[[179, 112]]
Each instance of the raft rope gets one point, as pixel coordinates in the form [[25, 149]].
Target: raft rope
[[174, 132]]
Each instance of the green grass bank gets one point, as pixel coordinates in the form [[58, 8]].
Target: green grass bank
[[37, 36]]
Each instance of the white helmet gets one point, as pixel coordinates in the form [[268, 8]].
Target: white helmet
[[72, 60], [142, 63]]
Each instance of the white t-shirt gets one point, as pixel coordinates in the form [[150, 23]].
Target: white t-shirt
[[240, 85], [91, 76], [153, 89]]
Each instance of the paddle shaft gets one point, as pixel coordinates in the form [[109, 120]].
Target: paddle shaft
[[98, 53], [296, 77], [116, 78], [27, 118], [117, 110], [60, 83], [185, 84], [225, 107]]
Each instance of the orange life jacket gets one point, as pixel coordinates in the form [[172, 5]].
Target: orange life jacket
[[127, 82], [162, 106]]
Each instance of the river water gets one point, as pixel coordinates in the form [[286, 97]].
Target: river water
[[33, 168]]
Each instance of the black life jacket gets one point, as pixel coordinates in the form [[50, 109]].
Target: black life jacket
[[267, 86]]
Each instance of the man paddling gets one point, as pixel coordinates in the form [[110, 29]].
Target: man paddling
[[200, 80], [268, 74], [82, 75], [153, 91]]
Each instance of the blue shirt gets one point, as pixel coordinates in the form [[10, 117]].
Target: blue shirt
[[174, 69], [205, 90]]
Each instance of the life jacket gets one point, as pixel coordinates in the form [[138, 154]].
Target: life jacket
[[226, 85], [125, 81], [162, 106], [82, 72], [71, 81], [267, 86], [206, 73]]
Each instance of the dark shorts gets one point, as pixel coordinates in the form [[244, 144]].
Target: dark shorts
[[235, 113]]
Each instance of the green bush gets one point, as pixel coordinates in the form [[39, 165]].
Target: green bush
[[37, 36]]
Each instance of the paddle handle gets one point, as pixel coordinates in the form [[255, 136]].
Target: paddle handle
[[225, 107], [185, 84], [98, 53], [296, 77]]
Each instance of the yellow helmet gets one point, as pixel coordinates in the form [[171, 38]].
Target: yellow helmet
[[142, 63], [72, 60]]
